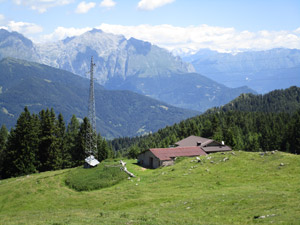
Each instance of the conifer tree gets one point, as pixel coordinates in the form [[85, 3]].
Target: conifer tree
[[61, 135], [104, 151], [79, 154], [71, 139], [294, 134], [49, 152], [22, 146], [3, 140]]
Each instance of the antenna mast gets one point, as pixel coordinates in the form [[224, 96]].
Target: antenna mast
[[91, 135]]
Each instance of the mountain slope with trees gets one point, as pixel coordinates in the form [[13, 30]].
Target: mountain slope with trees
[[287, 100], [119, 113], [268, 125]]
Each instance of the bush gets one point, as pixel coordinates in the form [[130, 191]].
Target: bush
[[102, 176]]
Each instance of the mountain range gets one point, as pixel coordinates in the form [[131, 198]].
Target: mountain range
[[262, 71], [119, 113], [125, 64]]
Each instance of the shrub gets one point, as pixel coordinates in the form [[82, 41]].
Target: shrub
[[102, 176]]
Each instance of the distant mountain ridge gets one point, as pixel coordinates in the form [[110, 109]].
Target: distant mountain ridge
[[262, 71], [114, 55], [119, 113], [123, 64]]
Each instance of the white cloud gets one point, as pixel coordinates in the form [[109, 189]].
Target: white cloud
[[192, 38], [84, 7], [152, 4], [61, 33], [107, 3], [297, 30], [42, 5], [24, 27]]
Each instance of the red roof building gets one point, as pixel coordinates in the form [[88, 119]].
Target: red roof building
[[156, 157], [188, 147]]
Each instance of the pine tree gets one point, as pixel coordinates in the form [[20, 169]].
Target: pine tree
[[79, 154], [104, 151], [3, 137], [3, 140], [49, 152], [22, 146], [294, 134], [61, 136], [71, 139]]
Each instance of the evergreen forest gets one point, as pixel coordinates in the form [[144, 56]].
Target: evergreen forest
[[250, 122], [43, 142]]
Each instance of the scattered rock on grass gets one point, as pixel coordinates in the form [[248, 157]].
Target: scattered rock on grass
[[263, 217]]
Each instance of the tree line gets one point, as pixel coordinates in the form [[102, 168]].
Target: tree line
[[250, 131], [42, 142]]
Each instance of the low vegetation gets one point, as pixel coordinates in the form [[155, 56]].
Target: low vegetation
[[106, 174], [231, 188]]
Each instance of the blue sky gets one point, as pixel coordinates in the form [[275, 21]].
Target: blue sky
[[183, 25]]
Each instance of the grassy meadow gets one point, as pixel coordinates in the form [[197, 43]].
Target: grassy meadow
[[231, 188]]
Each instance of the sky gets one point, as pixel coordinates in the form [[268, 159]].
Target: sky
[[177, 25]]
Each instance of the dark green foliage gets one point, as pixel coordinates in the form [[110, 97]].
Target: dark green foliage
[[79, 154], [49, 148], [251, 131], [41, 143], [3, 140], [20, 157], [103, 150], [3, 137], [104, 175], [133, 152], [276, 128], [287, 100], [293, 134], [70, 140]]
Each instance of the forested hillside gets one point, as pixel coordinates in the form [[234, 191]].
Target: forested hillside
[[268, 125], [287, 100]]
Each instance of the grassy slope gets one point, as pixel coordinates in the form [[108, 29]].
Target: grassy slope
[[230, 192]]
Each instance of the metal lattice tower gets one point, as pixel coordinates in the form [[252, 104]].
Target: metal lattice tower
[[91, 135]]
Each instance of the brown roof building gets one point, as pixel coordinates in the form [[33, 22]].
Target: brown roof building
[[208, 145], [188, 147]]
